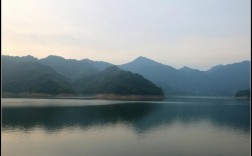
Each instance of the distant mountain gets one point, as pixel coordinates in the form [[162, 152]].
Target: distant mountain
[[32, 77], [74, 69], [115, 81], [220, 80], [230, 78], [164, 76], [70, 68], [17, 59], [28, 76], [198, 81]]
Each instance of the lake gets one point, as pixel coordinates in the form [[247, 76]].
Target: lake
[[178, 126]]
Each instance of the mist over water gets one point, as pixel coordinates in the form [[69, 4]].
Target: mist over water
[[176, 126]]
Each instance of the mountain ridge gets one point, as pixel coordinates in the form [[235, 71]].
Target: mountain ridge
[[215, 81], [218, 80], [139, 57], [113, 80], [22, 78]]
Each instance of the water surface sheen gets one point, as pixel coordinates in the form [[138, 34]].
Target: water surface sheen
[[178, 126]]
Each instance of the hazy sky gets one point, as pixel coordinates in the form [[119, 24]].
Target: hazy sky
[[195, 33]]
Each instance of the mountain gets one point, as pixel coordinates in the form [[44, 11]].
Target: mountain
[[220, 80], [70, 68], [31, 77], [164, 76], [230, 78], [173, 81], [73, 69], [17, 59], [24, 77], [115, 81], [198, 81]]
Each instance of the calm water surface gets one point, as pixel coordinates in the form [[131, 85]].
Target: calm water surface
[[178, 126]]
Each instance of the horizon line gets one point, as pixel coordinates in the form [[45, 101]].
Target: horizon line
[[249, 60]]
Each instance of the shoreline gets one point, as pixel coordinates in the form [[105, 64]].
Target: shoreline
[[111, 96], [130, 97], [97, 96]]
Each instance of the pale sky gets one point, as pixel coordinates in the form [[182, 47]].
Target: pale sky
[[194, 33]]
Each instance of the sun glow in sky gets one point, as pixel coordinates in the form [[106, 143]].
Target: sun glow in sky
[[195, 33]]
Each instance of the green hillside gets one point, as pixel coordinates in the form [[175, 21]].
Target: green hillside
[[115, 81], [74, 69], [33, 77], [27, 77]]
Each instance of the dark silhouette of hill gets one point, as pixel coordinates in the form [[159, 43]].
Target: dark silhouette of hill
[[116, 81], [33, 77], [164, 76], [24, 76], [72, 68], [230, 78], [220, 80]]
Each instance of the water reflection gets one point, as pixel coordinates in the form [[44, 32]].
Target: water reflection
[[53, 118], [141, 116]]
